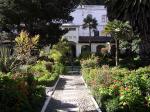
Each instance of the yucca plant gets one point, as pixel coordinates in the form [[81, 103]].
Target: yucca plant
[[8, 63]]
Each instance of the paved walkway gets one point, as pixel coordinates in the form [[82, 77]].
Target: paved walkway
[[71, 95]]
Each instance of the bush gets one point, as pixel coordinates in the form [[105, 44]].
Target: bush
[[91, 62], [16, 93], [112, 105], [46, 73], [119, 89]]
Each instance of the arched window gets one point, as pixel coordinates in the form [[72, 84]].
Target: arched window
[[85, 48], [98, 49]]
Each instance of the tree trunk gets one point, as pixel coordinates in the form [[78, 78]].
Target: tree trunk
[[145, 49], [90, 39], [117, 52]]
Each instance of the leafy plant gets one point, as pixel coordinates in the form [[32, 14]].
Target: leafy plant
[[119, 31], [56, 55], [90, 62], [59, 51], [24, 45], [8, 63], [118, 89]]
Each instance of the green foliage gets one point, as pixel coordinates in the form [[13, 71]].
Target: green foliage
[[90, 22], [38, 17], [24, 45], [112, 105], [55, 55], [92, 2], [8, 63], [17, 93], [59, 51], [119, 89], [39, 69], [85, 55], [131, 11], [91, 62], [46, 76], [119, 30], [137, 13], [25, 92]]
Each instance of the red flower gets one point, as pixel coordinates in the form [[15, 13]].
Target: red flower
[[115, 86]]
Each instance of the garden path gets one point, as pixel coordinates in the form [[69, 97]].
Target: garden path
[[71, 95]]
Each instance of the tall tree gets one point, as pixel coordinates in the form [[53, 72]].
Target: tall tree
[[137, 12], [92, 2], [90, 23], [119, 31], [42, 17]]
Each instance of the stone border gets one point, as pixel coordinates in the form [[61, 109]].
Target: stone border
[[95, 103], [49, 92]]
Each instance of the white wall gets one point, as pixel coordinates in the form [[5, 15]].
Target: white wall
[[72, 35], [79, 14], [96, 11]]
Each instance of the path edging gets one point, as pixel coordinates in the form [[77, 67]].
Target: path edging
[[49, 94], [95, 103]]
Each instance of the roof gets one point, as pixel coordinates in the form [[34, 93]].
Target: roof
[[92, 7], [99, 39], [69, 25]]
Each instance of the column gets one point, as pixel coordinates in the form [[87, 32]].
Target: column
[[78, 50]]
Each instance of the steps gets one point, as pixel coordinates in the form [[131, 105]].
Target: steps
[[71, 95], [73, 69]]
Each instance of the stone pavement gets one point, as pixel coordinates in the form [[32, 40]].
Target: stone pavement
[[71, 95]]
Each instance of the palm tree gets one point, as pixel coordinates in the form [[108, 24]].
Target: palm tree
[[137, 12], [119, 31], [90, 23]]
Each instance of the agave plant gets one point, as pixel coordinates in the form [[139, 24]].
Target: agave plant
[[8, 63]]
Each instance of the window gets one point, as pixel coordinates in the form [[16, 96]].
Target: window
[[96, 33], [104, 18], [70, 37], [72, 29]]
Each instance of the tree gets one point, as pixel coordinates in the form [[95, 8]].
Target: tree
[[42, 17], [90, 23], [92, 2], [137, 12], [119, 31]]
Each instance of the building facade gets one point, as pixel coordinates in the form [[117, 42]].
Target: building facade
[[79, 37]]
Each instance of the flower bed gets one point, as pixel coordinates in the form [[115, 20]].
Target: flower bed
[[118, 89]]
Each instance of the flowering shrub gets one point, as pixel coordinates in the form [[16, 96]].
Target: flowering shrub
[[91, 62], [119, 89]]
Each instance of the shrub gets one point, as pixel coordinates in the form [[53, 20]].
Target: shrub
[[55, 55], [14, 94], [85, 55], [24, 45], [8, 63], [119, 89], [90, 62], [112, 105]]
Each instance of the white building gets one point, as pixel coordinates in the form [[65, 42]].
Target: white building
[[78, 36]]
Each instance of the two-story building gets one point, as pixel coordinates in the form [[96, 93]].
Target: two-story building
[[79, 37]]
